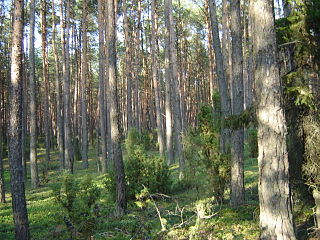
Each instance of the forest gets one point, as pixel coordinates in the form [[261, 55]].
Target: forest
[[159, 119]]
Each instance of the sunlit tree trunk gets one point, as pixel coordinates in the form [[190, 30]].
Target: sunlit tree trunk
[[155, 78], [276, 220], [223, 85], [237, 135], [121, 203], [102, 106], [84, 72], [32, 89], [20, 214]]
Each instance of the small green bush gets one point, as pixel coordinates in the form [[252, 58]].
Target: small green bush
[[253, 142], [79, 201]]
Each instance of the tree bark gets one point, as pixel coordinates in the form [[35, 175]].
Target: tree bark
[[45, 78], [155, 78], [237, 136], [102, 107], [168, 89], [276, 220], [84, 71], [59, 113], [121, 203], [174, 82], [66, 86], [20, 214], [223, 85], [2, 183], [33, 124]]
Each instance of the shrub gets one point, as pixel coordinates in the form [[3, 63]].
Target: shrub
[[253, 142], [79, 201]]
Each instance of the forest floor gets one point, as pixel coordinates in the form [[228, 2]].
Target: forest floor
[[185, 214]]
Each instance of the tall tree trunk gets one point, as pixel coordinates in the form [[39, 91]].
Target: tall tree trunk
[[168, 89], [174, 81], [223, 85], [128, 74], [155, 78], [237, 136], [66, 86], [58, 92], [84, 71], [121, 203], [33, 124], [20, 214], [276, 220], [45, 77], [2, 183], [102, 107]]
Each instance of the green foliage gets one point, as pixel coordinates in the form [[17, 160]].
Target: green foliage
[[311, 168], [142, 168], [202, 152], [253, 142], [79, 199]]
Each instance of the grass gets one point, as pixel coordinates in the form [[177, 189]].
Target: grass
[[185, 214]]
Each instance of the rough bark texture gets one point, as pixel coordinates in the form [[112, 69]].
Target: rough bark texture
[[33, 126], [102, 62], [58, 93], [276, 220], [237, 136], [121, 203], [223, 85], [84, 70], [156, 79], [20, 214]]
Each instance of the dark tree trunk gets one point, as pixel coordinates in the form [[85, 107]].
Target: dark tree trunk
[[20, 214]]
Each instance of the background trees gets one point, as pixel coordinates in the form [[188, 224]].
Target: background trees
[[179, 75]]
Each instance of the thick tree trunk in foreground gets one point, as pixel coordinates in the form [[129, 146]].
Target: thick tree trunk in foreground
[[102, 62], [20, 214], [223, 85], [276, 220], [33, 124], [155, 78], [121, 204], [84, 70], [237, 135]]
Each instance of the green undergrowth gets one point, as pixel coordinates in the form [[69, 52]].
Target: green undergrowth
[[181, 214]]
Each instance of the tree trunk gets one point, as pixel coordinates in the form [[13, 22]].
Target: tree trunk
[[174, 82], [45, 77], [20, 214], [58, 93], [276, 220], [223, 85], [156, 79], [33, 124], [102, 107], [121, 203], [128, 74], [84, 70], [2, 183], [237, 136], [168, 89], [66, 86]]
